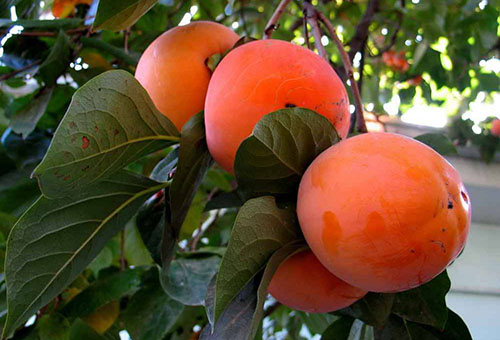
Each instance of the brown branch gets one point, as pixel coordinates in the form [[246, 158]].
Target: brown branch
[[312, 18], [306, 34], [361, 33], [360, 119], [13, 73], [272, 23]]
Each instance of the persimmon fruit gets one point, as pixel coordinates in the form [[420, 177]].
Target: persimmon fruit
[[261, 77], [495, 127], [301, 282], [383, 212], [173, 68]]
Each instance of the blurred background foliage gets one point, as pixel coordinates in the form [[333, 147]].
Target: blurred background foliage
[[428, 62]]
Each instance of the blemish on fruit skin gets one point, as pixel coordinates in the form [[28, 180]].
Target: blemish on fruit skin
[[441, 244], [331, 231], [288, 105], [85, 142], [450, 204]]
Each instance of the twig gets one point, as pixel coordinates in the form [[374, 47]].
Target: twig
[[312, 18], [272, 23], [362, 28], [193, 243], [394, 35], [306, 34], [125, 40], [13, 73], [360, 119]]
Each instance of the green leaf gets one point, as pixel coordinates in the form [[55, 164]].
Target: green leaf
[[260, 229], [57, 61], [110, 123], [119, 15], [439, 142], [136, 252], [282, 145], [24, 122], [163, 170], [455, 329], [81, 331], [280, 256], [373, 309], [317, 323], [186, 279], [43, 24], [425, 304], [339, 329], [104, 291], [397, 328], [56, 239], [233, 322], [129, 58], [194, 162], [150, 222], [151, 313]]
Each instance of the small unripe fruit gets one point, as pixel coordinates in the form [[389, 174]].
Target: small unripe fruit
[[264, 76], [173, 68], [302, 283], [383, 212], [495, 127]]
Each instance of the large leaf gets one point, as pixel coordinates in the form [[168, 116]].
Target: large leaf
[[57, 61], [120, 15], [438, 142], [373, 309], [104, 291], [425, 304], [194, 162], [339, 329], [282, 145], [151, 313], [110, 123], [234, 321], [186, 279], [56, 239], [260, 229], [24, 122]]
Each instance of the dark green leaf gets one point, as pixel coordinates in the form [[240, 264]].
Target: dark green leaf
[[150, 222], [439, 142], [151, 313], [397, 328], [110, 123], [317, 323], [186, 279], [282, 145], [234, 321], [455, 329], [194, 162], [56, 239], [120, 15], [260, 229], [104, 291], [339, 329], [425, 304], [24, 122], [25, 152], [53, 327], [43, 24], [163, 170], [57, 61], [373, 309]]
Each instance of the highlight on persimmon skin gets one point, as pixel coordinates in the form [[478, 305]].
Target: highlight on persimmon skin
[[261, 77], [303, 283], [383, 212], [173, 68]]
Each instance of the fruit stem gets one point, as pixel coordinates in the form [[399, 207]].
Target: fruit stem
[[272, 23], [360, 119], [311, 17]]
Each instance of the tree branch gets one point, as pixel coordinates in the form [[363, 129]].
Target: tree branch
[[47, 33], [25, 68], [360, 119], [312, 18], [272, 23], [361, 33]]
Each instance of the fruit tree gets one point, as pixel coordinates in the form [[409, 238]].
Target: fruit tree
[[220, 169]]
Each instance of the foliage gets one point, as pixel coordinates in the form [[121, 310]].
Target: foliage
[[131, 224]]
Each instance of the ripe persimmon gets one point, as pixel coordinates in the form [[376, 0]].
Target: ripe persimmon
[[495, 127], [303, 283], [383, 212], [173, 68], [264, 76]]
